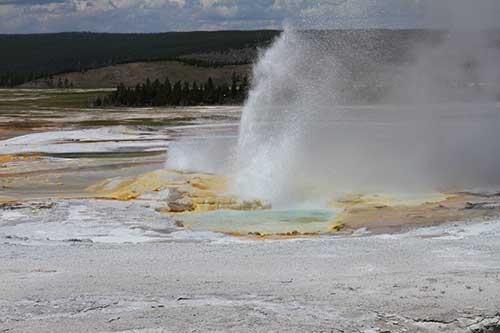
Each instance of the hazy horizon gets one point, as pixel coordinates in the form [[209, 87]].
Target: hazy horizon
[[151, 16], [436, 29]]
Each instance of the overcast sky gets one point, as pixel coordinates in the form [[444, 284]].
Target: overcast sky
[[22, 16]]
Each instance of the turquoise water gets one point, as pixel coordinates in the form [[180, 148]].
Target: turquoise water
[[263, 222]]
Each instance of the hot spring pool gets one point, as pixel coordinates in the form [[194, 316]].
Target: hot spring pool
[[265, 222]]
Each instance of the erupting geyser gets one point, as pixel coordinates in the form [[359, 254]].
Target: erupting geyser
[[333, 112], [371, 111]]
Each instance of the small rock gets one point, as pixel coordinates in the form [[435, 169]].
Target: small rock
[[481, 205], [180, 206], [78, 240], [13, 237]]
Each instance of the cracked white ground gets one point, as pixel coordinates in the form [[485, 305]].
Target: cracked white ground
[[86, 265], [439, 279]]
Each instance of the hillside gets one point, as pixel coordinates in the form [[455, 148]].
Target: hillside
[[93, 60], [25, 57], [132, 73]]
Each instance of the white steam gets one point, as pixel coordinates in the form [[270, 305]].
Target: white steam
[[435, 125], [368, 111]]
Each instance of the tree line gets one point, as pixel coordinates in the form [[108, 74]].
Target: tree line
[[12, 79], [58, 53], [180, 93]]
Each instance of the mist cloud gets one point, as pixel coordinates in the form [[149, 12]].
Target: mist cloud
[[434, 127]]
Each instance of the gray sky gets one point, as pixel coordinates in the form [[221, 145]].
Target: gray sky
[[21, 16]]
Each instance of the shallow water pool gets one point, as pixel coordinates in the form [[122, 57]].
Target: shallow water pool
[[265, 222]]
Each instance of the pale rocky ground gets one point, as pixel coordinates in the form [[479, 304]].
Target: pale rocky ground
[[72, 263], [439, 279]]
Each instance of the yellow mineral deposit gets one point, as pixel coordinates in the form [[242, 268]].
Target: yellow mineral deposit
[[380, 201], [185, 194], [192, 195], [17, 158], [181, 192], [121, 188]]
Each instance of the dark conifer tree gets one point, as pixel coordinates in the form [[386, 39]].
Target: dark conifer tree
[[196, 95], [177, 94], [181, 93]]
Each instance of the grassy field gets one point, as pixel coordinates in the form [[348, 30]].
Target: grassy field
[[22, 99], [24, 111]]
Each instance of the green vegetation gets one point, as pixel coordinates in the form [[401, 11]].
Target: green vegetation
[[48, 99], [178, 94], [105, 155], [27, 57]]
